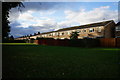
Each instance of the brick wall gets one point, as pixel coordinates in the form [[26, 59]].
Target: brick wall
[[110, 30]]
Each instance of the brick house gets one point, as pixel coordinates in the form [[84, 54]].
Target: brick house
[[105, 29], [117, 33]]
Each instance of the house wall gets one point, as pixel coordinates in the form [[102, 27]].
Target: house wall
[[33, 37], [117, 33], [109, 31], [98, 32]]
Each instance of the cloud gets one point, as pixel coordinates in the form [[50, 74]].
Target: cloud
[[20, 31], [36, 6], [31, 20], [30, 7], [85, 17]]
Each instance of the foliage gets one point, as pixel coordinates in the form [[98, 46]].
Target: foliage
[[11, 37], [35, 34], [6, 6], [74, 35], [30, 34], [38, 32], [37, 38]]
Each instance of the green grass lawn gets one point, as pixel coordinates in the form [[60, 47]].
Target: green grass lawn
[[36, 61]]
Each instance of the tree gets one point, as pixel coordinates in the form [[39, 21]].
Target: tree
[[11, 37], [30, 34], [34, 34], [74, 35], [6, 6], [38, 32]]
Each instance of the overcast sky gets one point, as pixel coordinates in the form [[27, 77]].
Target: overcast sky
[[50, 16]]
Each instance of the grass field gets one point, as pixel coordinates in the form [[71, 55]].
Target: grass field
[[35, 61]]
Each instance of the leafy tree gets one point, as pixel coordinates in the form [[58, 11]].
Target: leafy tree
[[34, 34], [11, 37], [6, 6], [74, 35], [38, 32]]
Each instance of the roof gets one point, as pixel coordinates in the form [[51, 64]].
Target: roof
[[82, 26], [118, 24], [87, 26]]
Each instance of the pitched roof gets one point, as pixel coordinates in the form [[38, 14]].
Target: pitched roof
[[86, 26], [118, 24]]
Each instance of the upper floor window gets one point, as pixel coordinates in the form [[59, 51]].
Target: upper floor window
[[99, 29], [68, 32], [56, 33], [53, 34], [78, 31], [117, 28], [91, 30], [84, 30], [60, 33], [45, 35]]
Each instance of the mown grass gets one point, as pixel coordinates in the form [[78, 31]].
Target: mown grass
[[35, 61], [17, 43]]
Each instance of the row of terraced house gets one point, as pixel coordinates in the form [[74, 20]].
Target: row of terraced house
[[105, 29]]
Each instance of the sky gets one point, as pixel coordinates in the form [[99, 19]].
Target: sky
[[50, 16]]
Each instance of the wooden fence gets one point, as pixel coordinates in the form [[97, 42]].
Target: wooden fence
[[110, 42], [103, 42]]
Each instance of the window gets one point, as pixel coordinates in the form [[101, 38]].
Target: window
[[91, 30], [69, 33], [56, 34], [66, 33], [117, 28], [78, 31], [60, 33], [53, 34], [99, 29], [84, 30], [44, 35]]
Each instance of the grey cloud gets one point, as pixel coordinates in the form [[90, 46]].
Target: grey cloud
[[20, 31], [37, 6]]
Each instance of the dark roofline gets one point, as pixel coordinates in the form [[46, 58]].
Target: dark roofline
[[118, 24], [87, 25]]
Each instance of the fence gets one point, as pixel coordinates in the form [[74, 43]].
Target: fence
[[108, 42], [117, 42], [103, 42], [66, 42]]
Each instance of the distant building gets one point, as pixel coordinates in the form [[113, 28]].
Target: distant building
[[105, 29]]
